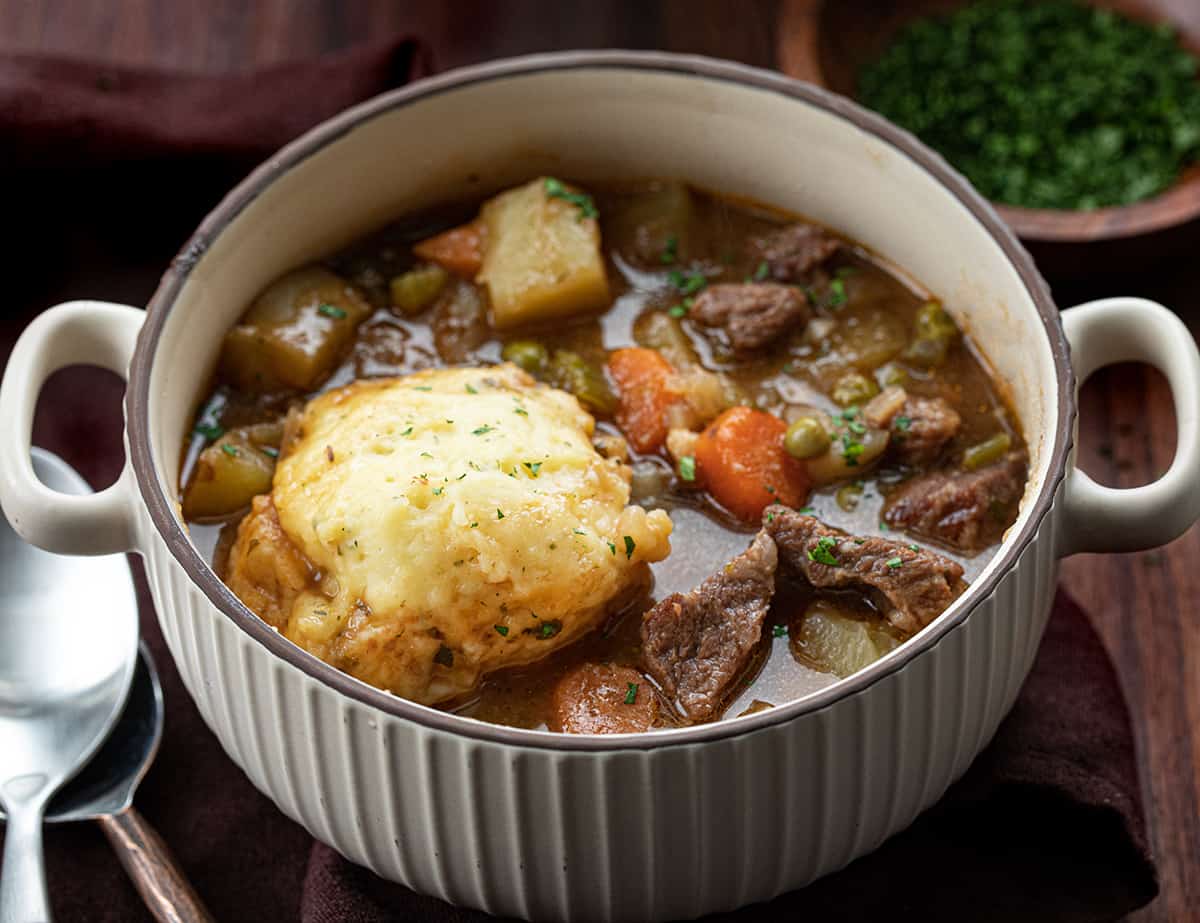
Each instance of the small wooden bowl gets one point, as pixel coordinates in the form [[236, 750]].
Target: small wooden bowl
[[828, 43]]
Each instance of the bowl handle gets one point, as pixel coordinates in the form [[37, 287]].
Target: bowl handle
[[78, 332], [1098, 518]]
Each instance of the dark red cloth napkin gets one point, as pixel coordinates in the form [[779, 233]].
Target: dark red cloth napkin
[[109, 169]]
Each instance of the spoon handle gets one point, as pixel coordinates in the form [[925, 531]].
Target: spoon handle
[[153, 869], [23, 897]]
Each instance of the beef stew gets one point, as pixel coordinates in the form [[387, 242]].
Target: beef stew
[[834, 455]]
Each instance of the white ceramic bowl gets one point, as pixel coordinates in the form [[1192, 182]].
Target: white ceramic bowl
[[645, 827]]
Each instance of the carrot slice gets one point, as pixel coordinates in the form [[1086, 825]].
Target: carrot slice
[[740, 458], [640, 377], [459, 250]]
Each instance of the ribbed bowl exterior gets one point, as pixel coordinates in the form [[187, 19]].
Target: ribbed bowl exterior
[[662, 833]]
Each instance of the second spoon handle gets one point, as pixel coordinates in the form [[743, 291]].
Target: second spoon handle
[[23, 897], [153, 869]]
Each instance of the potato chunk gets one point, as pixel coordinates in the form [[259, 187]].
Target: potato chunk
[[542, 257], [840, 642], [228, 475], [652, 227], [294, 333]]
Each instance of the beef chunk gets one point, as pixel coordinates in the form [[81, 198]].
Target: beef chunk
[[752, 314], [594, 698], [697, 644], [965, 510], [792, 251], [909, 587], [920, 427]]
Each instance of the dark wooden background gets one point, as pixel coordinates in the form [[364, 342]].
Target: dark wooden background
[[1145, 605]]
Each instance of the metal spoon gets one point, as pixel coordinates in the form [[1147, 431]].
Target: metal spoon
[[103, 791], [68, 644]]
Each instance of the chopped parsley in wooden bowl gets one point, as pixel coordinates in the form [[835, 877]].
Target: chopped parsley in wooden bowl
[[1047, 104], [1079, 120]]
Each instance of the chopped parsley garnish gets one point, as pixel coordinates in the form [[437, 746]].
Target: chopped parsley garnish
[[629, 546], [270, 451], [499, 513], [687, 467], [579, 531], [474, 525], [902, 423], [471, 389], [422, 388], [329, 310], [914, 547], [851, 450], [534, 467], [823, 552], [407, 432], [687, 284], [631, 693], [230, 450], [581, 200], [893, 563], [837, 293], [806, 511], [522, 411], [549, 629], [611, 547], [209, 431], [857, 427], [779, 631], [671, 251], [681, 309], [437, 491], [444, 656], [501, 630], [482, 430], [761, 271]]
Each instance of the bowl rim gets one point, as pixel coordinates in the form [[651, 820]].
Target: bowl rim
[[162, 509], [1175, 206]]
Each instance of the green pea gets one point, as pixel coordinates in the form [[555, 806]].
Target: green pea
[[414, 290], [807, 438], [934, 332], [527, 354], [854, 388], [848, 497], [927, 352], [984, 453], [933, 321], [574, 374]]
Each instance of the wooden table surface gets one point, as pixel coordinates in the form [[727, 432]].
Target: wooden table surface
[[1145, 605]]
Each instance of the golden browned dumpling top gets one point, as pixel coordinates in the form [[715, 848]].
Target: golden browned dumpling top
[[424, 530]]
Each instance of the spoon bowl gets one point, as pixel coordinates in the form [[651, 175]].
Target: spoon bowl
[[106, 785], [68, 645]]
